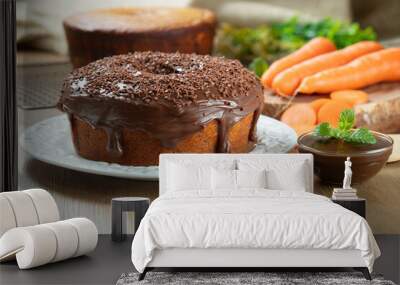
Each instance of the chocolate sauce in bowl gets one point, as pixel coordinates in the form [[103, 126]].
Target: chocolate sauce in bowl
[[338, 148], [330, 154]]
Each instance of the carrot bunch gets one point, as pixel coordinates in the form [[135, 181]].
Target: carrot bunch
[[318, 67], [304, 117], [366, 70], [313, 48]]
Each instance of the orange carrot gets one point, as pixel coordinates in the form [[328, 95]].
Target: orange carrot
[[286, 82], [318, 103], [299, 114], [313, 48], [369, 69], [301, 129], [330, 112], [353, 97]]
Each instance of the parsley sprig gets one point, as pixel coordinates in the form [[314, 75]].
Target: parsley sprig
[[345, 130]]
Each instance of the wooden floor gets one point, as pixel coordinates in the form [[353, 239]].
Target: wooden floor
[[103, 266], [110, 260]]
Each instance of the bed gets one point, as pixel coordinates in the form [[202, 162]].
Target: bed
[[246, 211]]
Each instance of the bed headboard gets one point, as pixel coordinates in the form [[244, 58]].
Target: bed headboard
[[202, 159]]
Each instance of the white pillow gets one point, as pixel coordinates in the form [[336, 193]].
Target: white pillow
[[251, 178], [282, 174], [182, 177], [227, 179], [279, 180], [223, 179]]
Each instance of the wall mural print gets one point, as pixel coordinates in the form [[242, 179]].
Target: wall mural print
[[243, 134]]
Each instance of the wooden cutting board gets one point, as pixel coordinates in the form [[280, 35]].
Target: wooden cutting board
[[381, 113], [395, 156]]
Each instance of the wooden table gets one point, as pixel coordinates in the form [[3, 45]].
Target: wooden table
[[88, 195]]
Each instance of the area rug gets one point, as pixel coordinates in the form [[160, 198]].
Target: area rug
[[244, 278]]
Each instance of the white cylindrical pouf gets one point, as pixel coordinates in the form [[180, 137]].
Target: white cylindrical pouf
[[33, 246], [87, 234], [40, 247], [7, 218], [23, 208], [45, 205], [40, 244], [67, 239], [31, 233]]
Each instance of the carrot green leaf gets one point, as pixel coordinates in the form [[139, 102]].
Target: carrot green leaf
[[258, 66]]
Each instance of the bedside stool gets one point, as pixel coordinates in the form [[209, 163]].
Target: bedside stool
[[139, 205], [355, 205]]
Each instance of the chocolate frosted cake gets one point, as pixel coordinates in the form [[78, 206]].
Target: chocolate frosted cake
[[100, 33], [130, 108]]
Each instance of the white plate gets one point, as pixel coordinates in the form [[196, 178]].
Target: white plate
[[50, 141]]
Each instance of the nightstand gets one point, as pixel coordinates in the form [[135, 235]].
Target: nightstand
[[355, 205], [139, 205]]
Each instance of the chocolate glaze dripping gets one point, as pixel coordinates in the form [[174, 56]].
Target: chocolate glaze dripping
[[114, 144], [253, 130], [223, 144], [161, 120]]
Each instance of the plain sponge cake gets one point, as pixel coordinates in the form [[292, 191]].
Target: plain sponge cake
[[100, 33], [130, 108]]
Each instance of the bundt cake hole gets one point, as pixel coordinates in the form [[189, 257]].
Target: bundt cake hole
[[164, 69]]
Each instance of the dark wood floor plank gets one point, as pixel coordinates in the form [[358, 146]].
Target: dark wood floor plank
[[111, 259]]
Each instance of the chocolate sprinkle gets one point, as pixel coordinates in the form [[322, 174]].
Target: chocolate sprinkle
[[177, 78]]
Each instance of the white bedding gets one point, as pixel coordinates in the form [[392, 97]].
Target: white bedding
[[251, 218]]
